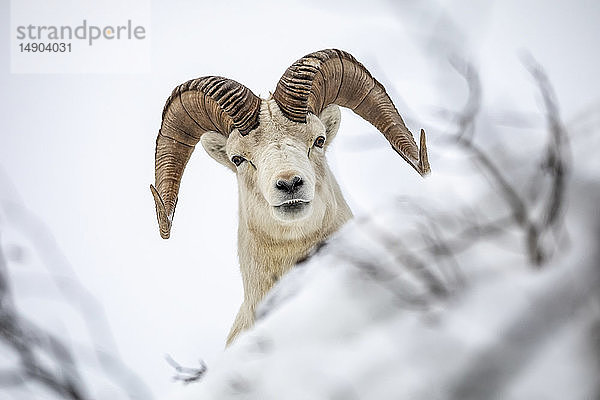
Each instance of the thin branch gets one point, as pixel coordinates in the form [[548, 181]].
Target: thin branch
[[186, 374], [555, 164], [32, 344]]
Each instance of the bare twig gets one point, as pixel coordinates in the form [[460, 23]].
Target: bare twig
[[104, 349], [555, 164], [186, 374], [41, 356], [26, 341]]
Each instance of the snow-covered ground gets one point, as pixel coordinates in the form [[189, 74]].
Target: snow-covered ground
[[417, 301], [341, 327]]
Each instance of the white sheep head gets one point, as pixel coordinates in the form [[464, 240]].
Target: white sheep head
[[281, 170], [276, 146]]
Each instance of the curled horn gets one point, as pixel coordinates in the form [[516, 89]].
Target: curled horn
[[210, 103], [335, 77]]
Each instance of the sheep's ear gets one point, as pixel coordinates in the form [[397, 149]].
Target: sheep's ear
[[214, 144], [330, 117]]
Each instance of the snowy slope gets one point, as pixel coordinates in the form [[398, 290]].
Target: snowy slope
[[355, 323]]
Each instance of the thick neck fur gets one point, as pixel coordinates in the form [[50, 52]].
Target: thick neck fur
[[265, 255], [270, 244]]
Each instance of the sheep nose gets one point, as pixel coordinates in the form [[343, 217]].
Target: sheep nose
[[289, 185]]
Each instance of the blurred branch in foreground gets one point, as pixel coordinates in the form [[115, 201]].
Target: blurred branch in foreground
[[434, 263], [186, 374], [28, 341], [39, 362], [554, 165]]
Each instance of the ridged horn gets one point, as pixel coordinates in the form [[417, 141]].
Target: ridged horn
[[335, 77], [210, 103]]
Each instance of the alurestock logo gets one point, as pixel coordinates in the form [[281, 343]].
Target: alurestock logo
[[89, 33]]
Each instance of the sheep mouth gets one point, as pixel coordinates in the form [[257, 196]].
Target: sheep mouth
[[292, 209], [292, 203]]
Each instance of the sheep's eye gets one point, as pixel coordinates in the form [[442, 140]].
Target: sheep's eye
[[320, 142], [237, 160]]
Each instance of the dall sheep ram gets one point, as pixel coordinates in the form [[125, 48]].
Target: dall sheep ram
[[289, 201]]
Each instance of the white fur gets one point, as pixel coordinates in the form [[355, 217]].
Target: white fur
[[270, 239]]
